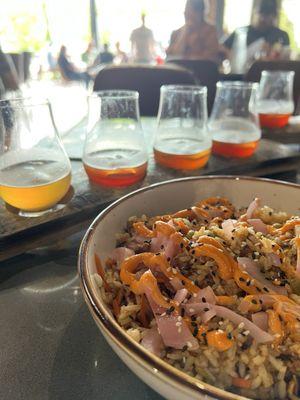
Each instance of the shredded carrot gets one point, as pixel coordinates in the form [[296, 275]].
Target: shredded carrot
[[183, 227], [142, 230], [226, 300], [242, 383], [101, 272], [275, 326], [288, 226], [219, 204], [128, 267], [163, 228], [209, 240], [219, 340], [117, 303], [224, 264], [246, 283]]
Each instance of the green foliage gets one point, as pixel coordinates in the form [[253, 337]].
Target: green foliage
[[26, 33], [286, 24]]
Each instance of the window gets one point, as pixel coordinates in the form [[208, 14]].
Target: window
[[289, 21], [237, 13]]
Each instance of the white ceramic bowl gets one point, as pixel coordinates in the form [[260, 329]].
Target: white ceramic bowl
[[159, 199]]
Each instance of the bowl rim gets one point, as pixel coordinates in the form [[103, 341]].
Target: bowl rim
[[111, 327]]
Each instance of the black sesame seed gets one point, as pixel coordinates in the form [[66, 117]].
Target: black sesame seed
[[270, 213], [193, 252], [182, 312], [206, 221], [157, 254], [248, 283], [253, 301], [266, 289], [213, 273], [260, 302], [259, 289], [184, 348], [204, 299], [196, 330], [206, 309], [162, 247], [170, 310], [203, 334], [194, 223], [181, 245], [242, 279], [229, 336], [245, 346]]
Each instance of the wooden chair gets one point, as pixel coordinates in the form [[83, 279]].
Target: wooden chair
[[254, 73], [206, 73], [145, 79]]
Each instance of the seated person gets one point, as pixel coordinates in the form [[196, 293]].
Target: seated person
[[196, 39], [68, 69], [264, 32], [105, 56]]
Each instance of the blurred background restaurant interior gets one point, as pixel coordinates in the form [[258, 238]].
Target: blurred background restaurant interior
[[97, 32]]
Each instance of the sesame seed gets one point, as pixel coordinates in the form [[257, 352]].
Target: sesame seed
[[189, 344], [246, 333], [241, 325], [195, 332], [174, 271], [178, 324], [191, 310]]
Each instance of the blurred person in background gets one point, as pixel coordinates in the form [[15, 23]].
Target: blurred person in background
[[105, 56], [142, 43], [196, 39], [120, 57], [264, 40], [68, 70], [89, 54]]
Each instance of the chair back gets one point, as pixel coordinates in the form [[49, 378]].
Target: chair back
[[254, 73], [206, 73], [145, 79]]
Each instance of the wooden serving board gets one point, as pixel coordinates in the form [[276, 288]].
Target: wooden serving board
[[88, 199]]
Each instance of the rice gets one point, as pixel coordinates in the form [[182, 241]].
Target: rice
[[203, 255]]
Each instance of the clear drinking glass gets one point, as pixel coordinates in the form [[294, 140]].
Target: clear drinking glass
[[115, 152], [233, 121], [275, 102], [182, 140], [35, 172]]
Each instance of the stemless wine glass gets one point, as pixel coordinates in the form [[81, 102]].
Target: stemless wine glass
[[35, 172], [182, 140], [275, 102], [233, 122], [115, 153]]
